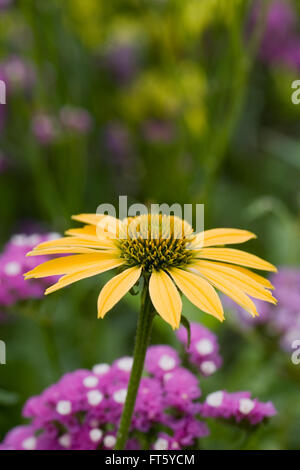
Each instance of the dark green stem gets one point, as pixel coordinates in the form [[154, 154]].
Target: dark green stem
[[141, 343]]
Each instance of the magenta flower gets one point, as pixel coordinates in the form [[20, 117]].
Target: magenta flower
[[203, 351], [14, 263]]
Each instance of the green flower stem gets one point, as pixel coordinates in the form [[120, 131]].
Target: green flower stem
[[142, 340]]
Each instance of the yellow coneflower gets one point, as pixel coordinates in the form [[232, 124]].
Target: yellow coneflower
[[167, 253]]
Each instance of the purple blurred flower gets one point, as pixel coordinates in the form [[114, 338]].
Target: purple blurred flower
[[282, 319], [117, 142], [5, 4], [45, 128], [14, 263], [76, 119], [281, 42], [17, 73], [238, 406], [122, 61], [158, 131], [204, 348]]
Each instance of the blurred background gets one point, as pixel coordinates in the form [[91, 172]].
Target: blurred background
[[162, 101]]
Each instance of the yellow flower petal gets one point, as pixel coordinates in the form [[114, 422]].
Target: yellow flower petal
[[66, 250], [88, 232], [223, 236], [199, 292], [231, 290], [116, 288], [103, 266], [165, 298], [231, 255], [106, 229], [239, 279], [75, 241], [256, 277], [68, 264]]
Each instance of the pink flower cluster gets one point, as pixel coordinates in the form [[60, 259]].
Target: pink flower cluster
[[82, 411], [14, 263], [203, 350], [238, 406]]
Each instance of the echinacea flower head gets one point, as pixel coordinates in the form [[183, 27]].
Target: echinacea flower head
[[167, 253]]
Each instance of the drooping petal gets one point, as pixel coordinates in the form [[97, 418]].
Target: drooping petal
[[68, 264], [232, 291], [116, 288], [223, 236], [231, 255], [239, 279], [198, 291], [256, 277], [165, 298], [101, 267]]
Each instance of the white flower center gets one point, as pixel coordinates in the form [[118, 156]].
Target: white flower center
[[19, 239], [33, 239], [215, 399], [246, 406], [94, 397], [29, 443], [90, 381], [12, 268], [65, 440], [166, 362], [53, 236], [204, 346], [100, 369], [64, 407], [161, 444], [120, 395], [125, 364], [109, 441], [208, 367], [95, 435]]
